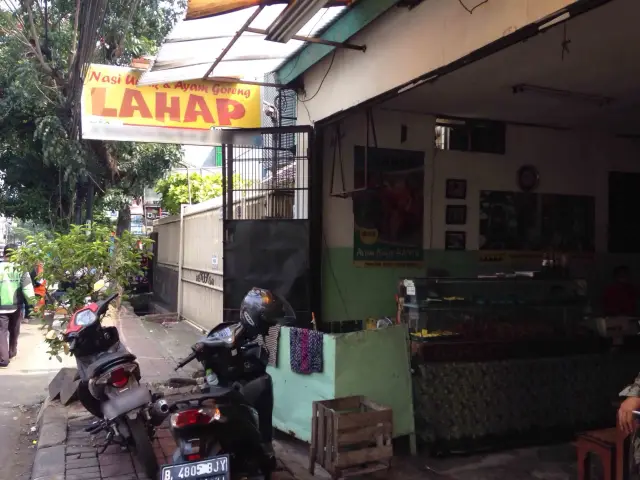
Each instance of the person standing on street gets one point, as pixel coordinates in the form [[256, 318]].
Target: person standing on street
[[40, 289], [15, 288]]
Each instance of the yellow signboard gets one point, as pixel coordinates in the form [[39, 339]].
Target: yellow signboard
[[111, 95]]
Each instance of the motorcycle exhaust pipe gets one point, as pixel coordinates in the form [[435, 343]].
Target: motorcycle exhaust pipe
[[161, 407], [160, 410]]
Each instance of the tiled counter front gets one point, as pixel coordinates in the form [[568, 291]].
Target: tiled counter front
[[469, 405]]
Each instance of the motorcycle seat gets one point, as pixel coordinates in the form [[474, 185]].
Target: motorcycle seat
[[224, 394], [107, 361]]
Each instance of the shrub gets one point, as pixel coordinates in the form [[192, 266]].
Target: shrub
[[84, 255]]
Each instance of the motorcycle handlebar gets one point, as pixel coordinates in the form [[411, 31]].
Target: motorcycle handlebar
[[104, 304], [184, 361]]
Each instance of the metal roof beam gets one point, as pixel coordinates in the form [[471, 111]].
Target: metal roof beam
[[320, 41], [355, 19], [233, 41]]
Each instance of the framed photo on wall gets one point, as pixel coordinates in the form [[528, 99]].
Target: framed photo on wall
[[455, 240], [456, 189], [456, 215]]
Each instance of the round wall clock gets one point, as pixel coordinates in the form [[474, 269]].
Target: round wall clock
[[528, 178]]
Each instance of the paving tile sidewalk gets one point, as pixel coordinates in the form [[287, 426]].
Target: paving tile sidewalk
[[158, 346], [67, 452]]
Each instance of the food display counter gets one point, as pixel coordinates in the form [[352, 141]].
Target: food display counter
[[501, 359]]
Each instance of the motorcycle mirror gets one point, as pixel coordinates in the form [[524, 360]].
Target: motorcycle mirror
[[99, 285]]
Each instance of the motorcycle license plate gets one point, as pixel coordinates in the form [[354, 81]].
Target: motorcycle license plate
[[216, 468]]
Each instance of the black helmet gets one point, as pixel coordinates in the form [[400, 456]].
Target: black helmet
[[261, 309]]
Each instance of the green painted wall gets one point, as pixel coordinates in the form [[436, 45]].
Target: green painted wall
[[383, 378], [369, 291], [352, 366], [355, 293], [294, 393]]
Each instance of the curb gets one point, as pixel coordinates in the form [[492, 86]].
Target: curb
[[49, 463], [43, 407]]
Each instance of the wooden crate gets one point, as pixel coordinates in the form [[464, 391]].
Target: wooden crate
[[351, 436]]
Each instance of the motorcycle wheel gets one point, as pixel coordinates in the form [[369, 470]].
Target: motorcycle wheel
[[142, 446]]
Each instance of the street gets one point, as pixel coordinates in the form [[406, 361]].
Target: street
[[24, 386]]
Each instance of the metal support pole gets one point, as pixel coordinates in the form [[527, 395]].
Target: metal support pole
[[189, 185], [223, 151], [77, 214], [89, 203], [229, 180], [180, 260]]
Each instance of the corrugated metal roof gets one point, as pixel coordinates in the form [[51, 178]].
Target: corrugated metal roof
[[193, 46]]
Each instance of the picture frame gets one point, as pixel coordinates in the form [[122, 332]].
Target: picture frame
[[456, 189], [455, 240], [456, 215]]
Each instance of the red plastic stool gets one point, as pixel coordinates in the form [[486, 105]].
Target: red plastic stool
[[604, 444]]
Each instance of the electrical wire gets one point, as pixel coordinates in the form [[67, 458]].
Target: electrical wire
[[333, 57], [311, 32], [470, 10], [92, 17], [305, 100], [333, 274], [305, 107]]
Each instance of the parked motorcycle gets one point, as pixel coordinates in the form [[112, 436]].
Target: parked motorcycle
[[110, 384], [225, 432]]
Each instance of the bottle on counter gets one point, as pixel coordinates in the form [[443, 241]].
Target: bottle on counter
[[544, 270], [545, 261]]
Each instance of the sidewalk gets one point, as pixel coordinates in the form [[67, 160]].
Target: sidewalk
[[158, 346], [67, 452]]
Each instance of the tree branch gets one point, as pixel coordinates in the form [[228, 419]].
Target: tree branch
[[36, 38], [39, 8], [101, 151], [74, 48], [35, 46]]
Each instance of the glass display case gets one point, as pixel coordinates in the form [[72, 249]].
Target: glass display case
[[505, 308]]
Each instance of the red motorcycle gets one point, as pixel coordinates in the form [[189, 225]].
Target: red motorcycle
[[110, 384]]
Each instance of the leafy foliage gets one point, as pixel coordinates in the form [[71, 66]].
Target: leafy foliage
[[175, 189], [41, 159], [94, 253], [20, 230]]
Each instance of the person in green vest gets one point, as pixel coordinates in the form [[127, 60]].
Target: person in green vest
[[15, 288]]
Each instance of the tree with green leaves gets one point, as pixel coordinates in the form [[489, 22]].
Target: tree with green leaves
[[178, 189], [83, 256], [45, 169], [20, 230]]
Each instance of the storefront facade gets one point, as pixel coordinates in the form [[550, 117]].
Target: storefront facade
[[571, 147], [516, 103]]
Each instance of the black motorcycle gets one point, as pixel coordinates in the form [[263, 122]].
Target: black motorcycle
[[110, 384], [218, 432]]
